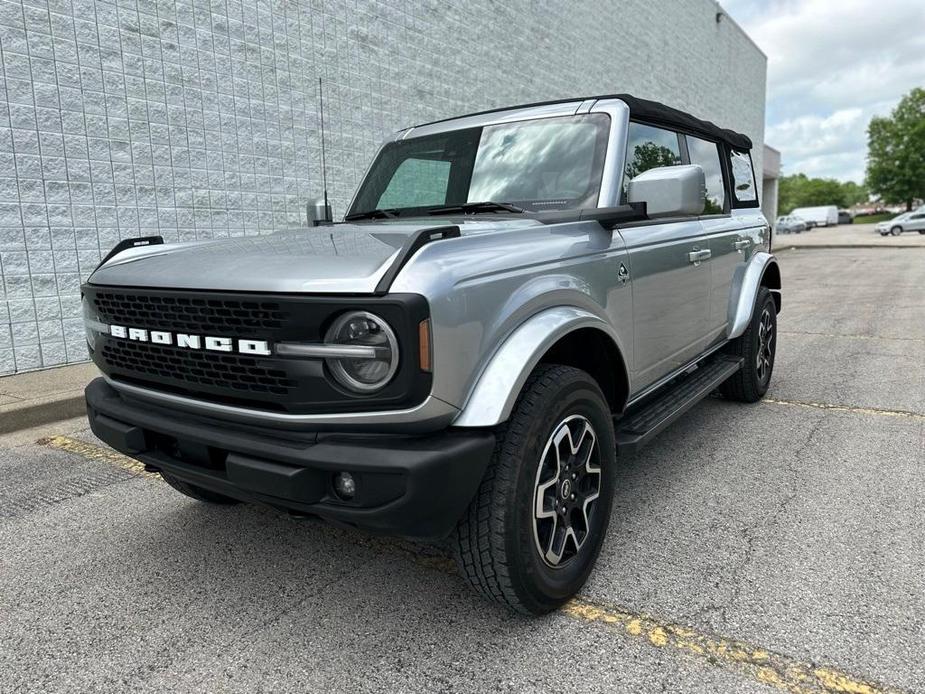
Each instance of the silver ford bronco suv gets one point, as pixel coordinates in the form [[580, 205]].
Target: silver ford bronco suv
[[514, 300]]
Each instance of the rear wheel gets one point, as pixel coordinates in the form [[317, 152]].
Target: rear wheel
[[197, 493], [757, 347], [534, 530]]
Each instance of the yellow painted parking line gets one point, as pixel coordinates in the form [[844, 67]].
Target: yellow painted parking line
[[759, 664], [848, 408], [91, 451]]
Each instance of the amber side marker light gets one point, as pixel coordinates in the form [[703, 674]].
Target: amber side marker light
[[424, 345]]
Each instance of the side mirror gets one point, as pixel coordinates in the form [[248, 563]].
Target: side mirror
[[669, 191], [318, 212]]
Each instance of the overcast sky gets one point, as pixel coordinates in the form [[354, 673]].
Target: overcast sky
[[832, 64]]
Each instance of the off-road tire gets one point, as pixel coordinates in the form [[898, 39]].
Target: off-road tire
[[197, 493], [494, 542], [746, 384]]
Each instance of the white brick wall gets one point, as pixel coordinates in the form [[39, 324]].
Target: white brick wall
[[197, 118]]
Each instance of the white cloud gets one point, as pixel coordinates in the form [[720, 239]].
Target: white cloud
[[831, 146], [832, 64]]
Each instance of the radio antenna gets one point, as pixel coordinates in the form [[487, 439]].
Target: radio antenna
[[324, 166]]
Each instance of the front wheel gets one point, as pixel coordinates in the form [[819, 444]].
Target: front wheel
[[757, 346], [896, 231], [532, 534]]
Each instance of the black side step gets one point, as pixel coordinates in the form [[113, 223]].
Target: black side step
[[635, 431]]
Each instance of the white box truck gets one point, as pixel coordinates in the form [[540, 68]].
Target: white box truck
[[823, 216]]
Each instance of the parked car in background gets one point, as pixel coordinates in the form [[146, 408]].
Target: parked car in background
[[788, 224], [823, 216], [910, 221], [845, 217]]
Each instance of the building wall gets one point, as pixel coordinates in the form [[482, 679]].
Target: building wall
[[770, 175], [769, 198], [198, 119]]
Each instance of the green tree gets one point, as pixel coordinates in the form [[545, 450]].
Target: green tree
[[896, 151], [801, 191], [647, 156], [854, 193]]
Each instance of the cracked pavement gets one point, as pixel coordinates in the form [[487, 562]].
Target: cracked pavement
[[797, 529]]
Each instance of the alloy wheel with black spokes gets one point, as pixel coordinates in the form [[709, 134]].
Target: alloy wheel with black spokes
[[532, 534], [757, 347], [765, 356], [568, 483]]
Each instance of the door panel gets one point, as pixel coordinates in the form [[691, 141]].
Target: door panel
[[732, 243], [671, 296], [916, 222]]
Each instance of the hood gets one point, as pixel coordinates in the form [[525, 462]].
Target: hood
[[343, 258]]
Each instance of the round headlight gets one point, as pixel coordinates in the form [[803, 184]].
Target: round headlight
[[374, 366]]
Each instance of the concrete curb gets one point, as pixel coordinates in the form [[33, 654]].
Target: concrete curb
[[34, 398], [32, 414]]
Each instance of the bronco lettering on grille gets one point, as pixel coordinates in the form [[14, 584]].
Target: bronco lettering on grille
[[184, 341]]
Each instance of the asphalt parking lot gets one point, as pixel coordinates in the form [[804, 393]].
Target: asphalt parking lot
[[778, 546]]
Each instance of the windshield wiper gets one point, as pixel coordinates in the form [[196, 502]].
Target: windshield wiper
[[372, 214], [474, 208], [460, 208]]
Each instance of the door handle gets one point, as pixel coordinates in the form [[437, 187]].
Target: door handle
[[695, 256], [742, 244]]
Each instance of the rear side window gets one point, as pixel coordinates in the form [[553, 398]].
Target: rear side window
[[648, 147], [706, 155], [743, 177]]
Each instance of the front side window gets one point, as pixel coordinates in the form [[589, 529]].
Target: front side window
[[706, 155], [540, 164], [648, 147], [743, 178]]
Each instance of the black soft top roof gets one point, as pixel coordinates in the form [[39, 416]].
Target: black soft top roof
[[655, 113]]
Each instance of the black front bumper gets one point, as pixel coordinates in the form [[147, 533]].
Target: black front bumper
[[409, 486]]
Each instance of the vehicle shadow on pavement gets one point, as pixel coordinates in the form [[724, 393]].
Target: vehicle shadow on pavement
[[256, 560], [245, 550]]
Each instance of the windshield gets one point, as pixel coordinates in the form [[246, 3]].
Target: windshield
[[542, 164]]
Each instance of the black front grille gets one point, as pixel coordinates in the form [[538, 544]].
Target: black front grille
[[191, 314], [261, 382], [239, 373]]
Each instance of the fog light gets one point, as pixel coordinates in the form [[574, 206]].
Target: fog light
[[344, 485]]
